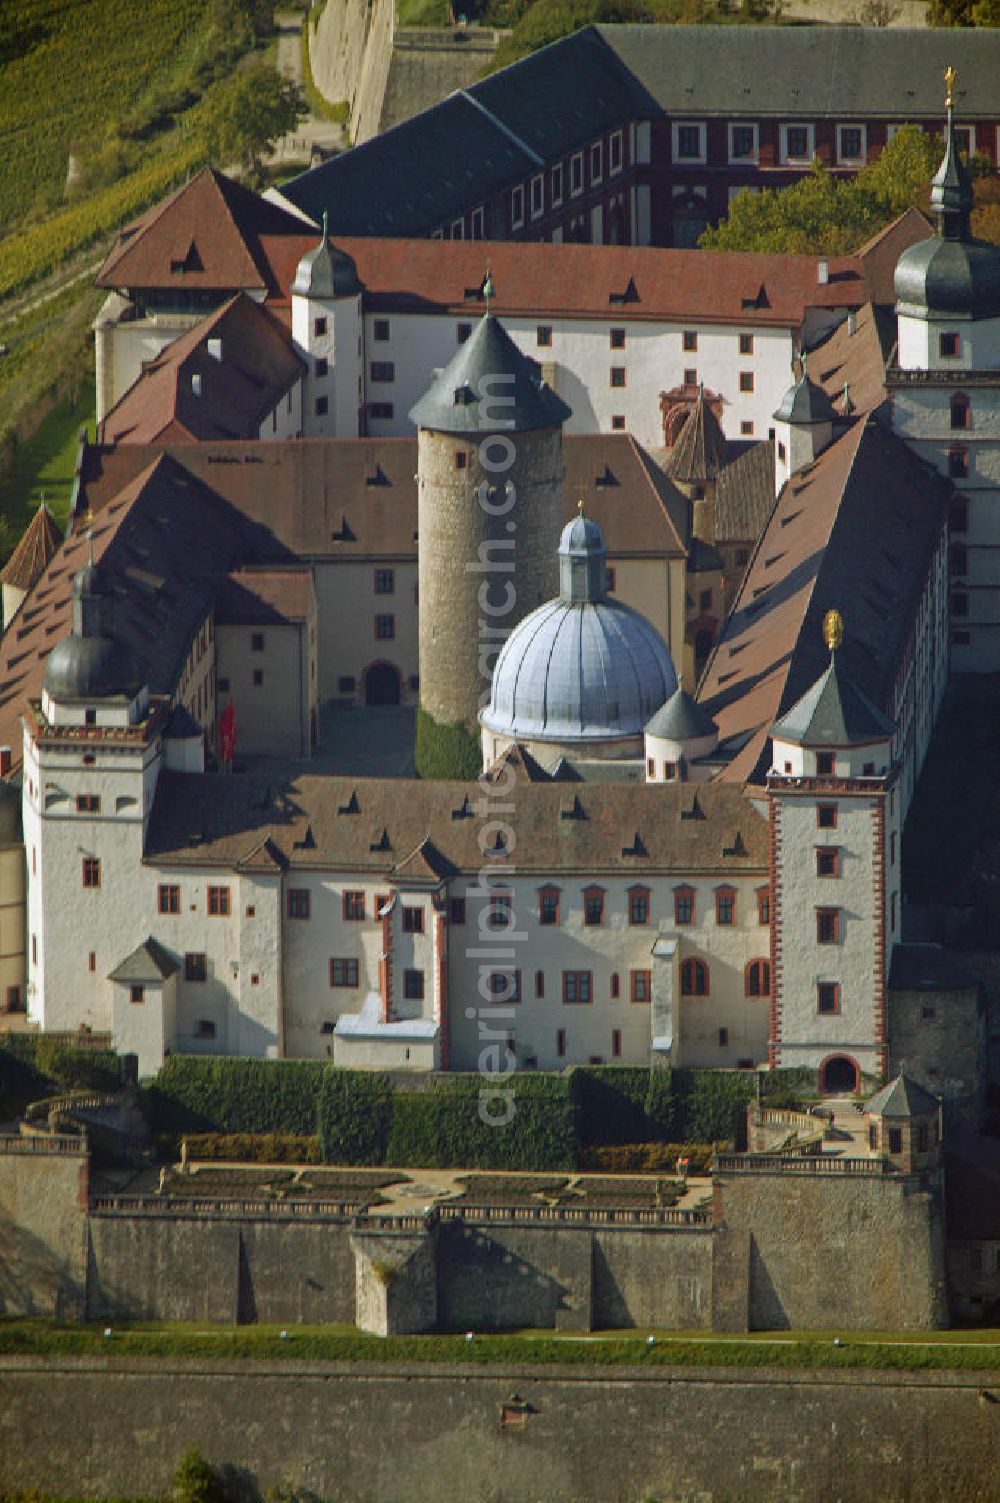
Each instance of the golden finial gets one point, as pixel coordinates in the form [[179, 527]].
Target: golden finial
[[949, 83], [833, 629], [579, 506]]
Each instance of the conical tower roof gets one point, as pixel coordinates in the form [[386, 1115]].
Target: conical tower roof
[[902, 1097], [833, 713], [489, 386], [681, 719], [700, 451], [39, 542]]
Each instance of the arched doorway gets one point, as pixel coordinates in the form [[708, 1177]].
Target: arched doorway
[[838, 1073], [382, 684]]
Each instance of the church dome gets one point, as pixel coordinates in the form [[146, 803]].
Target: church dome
[[92, 663], [580, 667], [326, 272]]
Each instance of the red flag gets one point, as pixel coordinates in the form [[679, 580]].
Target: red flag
[[227, 732]]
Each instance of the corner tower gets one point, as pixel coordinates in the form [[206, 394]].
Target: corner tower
[[945, 395], [326, 328], [490, 478]]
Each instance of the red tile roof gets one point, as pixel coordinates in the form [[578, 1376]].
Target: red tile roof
[[39, 541], [855, 530], [234, 394]]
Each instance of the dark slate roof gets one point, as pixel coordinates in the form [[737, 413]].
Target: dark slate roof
[[949, 276], [452, 403], [326, 272], [149, 963], [833, 713], [418, 175], [180, 725], [681, 719], [804, 71], [700, 451], [744, 495], [805, 402], [902, 1097], [928, 968]]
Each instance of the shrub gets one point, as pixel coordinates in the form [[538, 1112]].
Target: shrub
[[647, 1158], [42, 1063], [446, 751], [255, 1148], [196, 1480], [354, 1110]]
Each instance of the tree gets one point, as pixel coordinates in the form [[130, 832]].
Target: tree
[[195, 1480], [249, 114], [823, 215]]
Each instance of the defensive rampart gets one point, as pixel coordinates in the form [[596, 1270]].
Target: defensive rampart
[[378, 1433]]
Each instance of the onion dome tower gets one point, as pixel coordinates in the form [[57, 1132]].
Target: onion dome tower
[[91, 663], [582, 674], [326, 328], [803, 426], [948, 286], [490, 477]]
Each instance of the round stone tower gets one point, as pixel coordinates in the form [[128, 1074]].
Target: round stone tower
[[490, 479]]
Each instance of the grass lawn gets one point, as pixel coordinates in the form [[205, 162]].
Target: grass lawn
[[44, 465], [973, 1350]]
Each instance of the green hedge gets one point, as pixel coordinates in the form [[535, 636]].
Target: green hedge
[[32, 1061], [205, 1093], [354, 1115], [629, 1105], [446, 751]]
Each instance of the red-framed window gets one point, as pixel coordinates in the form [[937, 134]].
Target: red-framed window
[[354, 906], [168, 898], [824, 764], [961, 411], [593, 906], [725, 905], [827, 926], [299, 903], [684, 905], [826, 816], [827, 861], [757, 979], [640, 986], [548, 905], [638, 906], [344, 972], [88, 803], [763, 905], [828, 996], [91, 871], [578, 986], [413, 920], [694, 978], [219, 904], [616, 986]]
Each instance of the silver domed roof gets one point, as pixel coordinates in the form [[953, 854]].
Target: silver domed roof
[[805, 402], [580, 667], [92, 663], [326, 272]]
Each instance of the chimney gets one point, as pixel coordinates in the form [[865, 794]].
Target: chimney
[[823, 271], [6, 761]]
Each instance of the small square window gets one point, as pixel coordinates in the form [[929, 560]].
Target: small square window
[[136, 992], [91, 871], [354, 905], [385, 628], [319, 326], [746, 427], [958, 466], [256, 641], [689, 340], [826, 816], [690, 376], [850, 143], [168, 898], [88, 803], [746, 344], [640, 985], [543, 335], [742, 143], [723, 1037], [617, 339], [195, 966], [618, 423], [344, 972], [413, 920], [385, 581], [322, 406], [218, 902], [413, 986], [688, 142], [948, 345], [827, 926], [383, 371], [322, 366], [828, 862], [827, 996], [461, 459], [617, 375], [593, 907], [380, 330], [456, 911], [258, 677], [746, 380], [298, 903], [824, 764]]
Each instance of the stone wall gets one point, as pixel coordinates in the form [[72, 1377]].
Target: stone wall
[[43, 1227], [829, 1250], [376, 1433]]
